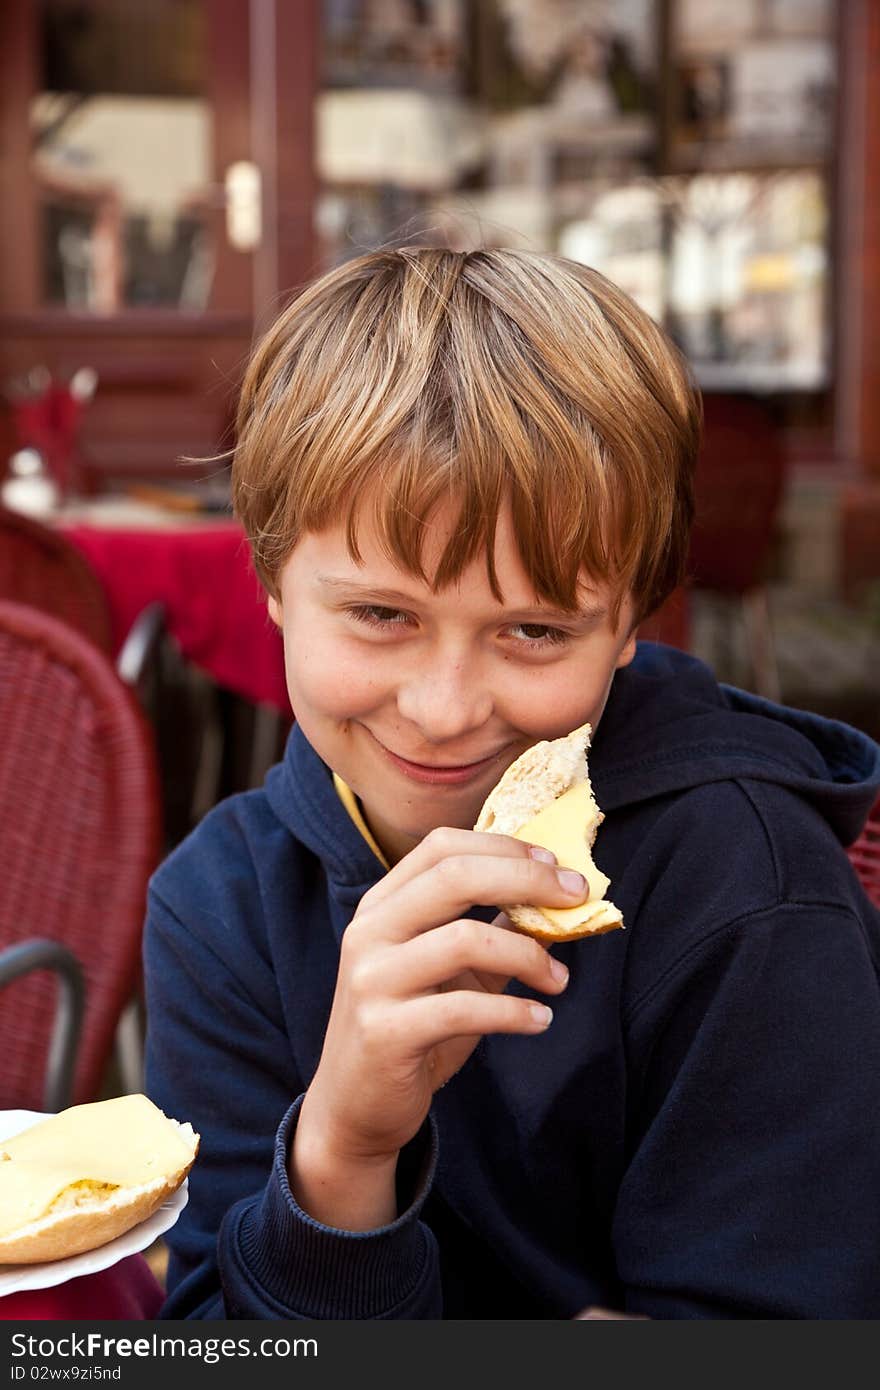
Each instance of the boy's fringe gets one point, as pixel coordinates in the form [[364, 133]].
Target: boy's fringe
[[411, 377]]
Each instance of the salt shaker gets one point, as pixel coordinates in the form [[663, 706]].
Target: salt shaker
[[29, 488]]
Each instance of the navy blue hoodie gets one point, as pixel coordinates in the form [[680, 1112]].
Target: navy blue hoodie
[[697, 1134]]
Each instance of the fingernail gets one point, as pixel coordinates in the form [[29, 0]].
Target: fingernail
[[546, 856], [541, 1014], [558, 970], [572, 882]]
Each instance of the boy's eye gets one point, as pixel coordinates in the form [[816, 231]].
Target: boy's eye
[[535, 636], [539, 635], [374, 615]]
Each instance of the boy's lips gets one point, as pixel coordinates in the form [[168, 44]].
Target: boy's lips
[[440, 774]]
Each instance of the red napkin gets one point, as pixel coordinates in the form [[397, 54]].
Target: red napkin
[[50, 423]]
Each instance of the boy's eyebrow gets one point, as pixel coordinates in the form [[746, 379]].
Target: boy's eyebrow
[[586, 612]]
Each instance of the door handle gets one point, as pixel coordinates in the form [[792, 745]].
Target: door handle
[[244, 205]]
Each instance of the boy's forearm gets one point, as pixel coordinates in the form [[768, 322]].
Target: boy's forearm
[[349, 1195]]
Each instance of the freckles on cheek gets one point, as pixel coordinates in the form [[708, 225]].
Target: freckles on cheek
[[336, 687], [555, 710]]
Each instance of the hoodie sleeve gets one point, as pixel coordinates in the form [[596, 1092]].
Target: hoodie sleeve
[[218, 1055], [753, 1187]]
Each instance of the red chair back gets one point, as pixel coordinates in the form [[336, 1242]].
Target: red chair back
[[43, 568], [79, 825], [739, 484], [865, 855]]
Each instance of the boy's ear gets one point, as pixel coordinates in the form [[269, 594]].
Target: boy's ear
[[627, 652], [274, 610]]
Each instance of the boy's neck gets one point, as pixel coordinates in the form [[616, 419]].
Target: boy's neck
[[393, 843]]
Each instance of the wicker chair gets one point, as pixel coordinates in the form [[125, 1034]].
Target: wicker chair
[[79, 822], [39, 566], [865, 855], [42, 567]]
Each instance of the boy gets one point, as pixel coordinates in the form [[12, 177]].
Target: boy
[[466, 479]]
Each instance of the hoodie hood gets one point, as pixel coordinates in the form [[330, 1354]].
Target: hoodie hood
[[668, 726], [302, 794]]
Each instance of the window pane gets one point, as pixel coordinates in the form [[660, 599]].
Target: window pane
[[122, 155], [680, 148]]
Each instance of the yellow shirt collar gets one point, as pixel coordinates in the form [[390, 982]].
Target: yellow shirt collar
[[350, 802]]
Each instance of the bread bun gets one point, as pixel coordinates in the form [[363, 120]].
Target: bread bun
[[81, 1178], [545, 797]]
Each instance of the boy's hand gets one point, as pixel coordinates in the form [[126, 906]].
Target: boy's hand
[[418, 986]]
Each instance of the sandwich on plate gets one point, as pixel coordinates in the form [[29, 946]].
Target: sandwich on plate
[[79, 1179]]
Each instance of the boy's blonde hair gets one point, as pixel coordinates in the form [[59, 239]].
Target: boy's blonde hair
[[412, 377]]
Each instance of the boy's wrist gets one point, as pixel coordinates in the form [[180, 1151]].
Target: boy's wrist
[[342, 1191]]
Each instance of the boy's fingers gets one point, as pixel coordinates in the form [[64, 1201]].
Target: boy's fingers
[[419, 1024], [451, 886], [441, 844], [449, 951]]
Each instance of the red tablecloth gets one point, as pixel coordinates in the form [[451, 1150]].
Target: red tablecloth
[[215, 606], [125, 1290]]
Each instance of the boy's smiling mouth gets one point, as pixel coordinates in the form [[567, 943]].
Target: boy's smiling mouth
[[440, 774]]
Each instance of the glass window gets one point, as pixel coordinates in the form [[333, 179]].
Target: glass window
[[122, 155], [681, 149]]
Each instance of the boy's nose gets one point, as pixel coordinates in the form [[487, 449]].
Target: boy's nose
[[445, 702]]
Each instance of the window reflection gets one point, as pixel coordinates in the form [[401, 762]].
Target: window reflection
[[692, 171], [122, 156]]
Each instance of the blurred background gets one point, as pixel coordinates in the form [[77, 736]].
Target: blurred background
[[172, 170]]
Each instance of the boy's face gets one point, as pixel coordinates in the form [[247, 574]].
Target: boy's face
[[420, 701]]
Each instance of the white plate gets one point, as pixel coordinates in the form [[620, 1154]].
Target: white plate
[[15, 1278]]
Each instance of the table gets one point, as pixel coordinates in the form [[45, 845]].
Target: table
[[201, 571]]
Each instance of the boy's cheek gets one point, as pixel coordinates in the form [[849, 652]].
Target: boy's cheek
[[331, 688]]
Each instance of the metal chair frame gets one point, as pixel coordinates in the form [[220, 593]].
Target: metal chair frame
[[39, 953]]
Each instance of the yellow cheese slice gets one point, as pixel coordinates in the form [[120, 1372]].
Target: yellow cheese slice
[[122, 1142], [566, 828]]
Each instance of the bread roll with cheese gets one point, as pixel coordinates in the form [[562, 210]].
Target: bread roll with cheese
[[545, 798], [81, 1178]]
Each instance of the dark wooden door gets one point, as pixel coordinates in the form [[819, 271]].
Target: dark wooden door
[[155, 205]]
